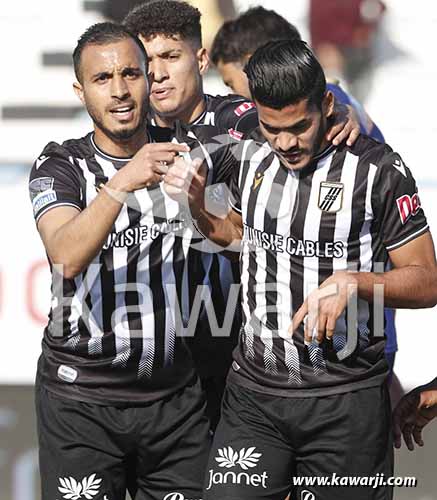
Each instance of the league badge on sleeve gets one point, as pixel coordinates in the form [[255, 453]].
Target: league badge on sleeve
[[331, 196]]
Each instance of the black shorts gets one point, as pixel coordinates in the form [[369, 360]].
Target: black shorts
[[264, 444], [97, 452]]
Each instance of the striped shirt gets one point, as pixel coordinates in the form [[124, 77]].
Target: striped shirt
[[346, 210], [114, 330]]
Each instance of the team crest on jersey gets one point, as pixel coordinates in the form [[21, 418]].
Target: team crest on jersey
[[331, 196]]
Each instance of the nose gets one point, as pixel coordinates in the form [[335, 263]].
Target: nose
[[119, 87], [158, 71], [285, 141]]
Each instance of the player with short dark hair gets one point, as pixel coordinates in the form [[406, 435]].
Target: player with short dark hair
[[102, 34], [118, 401], [317, 224], [170, 31], [238, 39]]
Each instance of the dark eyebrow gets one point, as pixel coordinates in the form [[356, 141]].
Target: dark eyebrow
[[100, 74], [133, 69], [299, 124], [168, 52]]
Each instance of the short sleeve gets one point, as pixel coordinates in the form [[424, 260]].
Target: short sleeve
[[398, 207], [238, 117], [54, 181]]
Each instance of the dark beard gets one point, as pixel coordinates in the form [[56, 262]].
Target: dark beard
[[122, 135]]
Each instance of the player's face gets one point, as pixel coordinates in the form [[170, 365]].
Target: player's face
[[175, 74], [114, 88], [297, 132], [234, 77]]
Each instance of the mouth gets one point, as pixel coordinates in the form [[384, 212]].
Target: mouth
[[162, 93], [293, 157], [123, 112]]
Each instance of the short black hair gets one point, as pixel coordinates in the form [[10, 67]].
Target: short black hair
[[240, 37], [165, 17], [285, 72], [102, 34]]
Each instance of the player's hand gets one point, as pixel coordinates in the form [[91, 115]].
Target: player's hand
[[413, 412], [346, 125], [324, 306], [147, 167], [185, 182]]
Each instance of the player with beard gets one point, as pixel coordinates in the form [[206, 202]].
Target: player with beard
[[117, 397], [317, 226], [171, 33]]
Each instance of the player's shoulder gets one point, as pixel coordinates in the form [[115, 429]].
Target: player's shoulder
[[60, 159], [381, 155], [234, 103], [67, 150]]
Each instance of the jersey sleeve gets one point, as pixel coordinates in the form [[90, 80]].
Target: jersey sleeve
[[398, 207], [238, 116], [54, 182]]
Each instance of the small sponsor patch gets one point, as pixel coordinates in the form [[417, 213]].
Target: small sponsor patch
[[244, 108], [235, 134], [67, 374], [235, 366], [44, 199], [40, 185]]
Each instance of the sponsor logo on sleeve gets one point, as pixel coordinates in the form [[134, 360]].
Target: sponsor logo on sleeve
[[40, 185], [235, 134], [408, 206], [244, 108], [43, 199]]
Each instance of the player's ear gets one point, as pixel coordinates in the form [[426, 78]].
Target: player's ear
[[78, 90], [328, 104], [202, 60]]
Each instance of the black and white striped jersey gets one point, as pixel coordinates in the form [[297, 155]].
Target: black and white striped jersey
[[346, 210], [236, 116], [113, 332]]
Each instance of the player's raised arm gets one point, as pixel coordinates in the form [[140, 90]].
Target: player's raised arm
[[72, 236]]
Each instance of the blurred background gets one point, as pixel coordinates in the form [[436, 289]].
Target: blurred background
[[382, 52]]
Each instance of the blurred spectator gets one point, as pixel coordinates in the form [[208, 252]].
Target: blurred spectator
[[116, 10], [342, 34]]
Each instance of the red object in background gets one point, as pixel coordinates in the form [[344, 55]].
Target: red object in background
[[345, 23], [32, 310]]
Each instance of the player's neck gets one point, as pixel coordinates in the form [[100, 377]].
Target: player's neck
[[187, 116], [120, 148]]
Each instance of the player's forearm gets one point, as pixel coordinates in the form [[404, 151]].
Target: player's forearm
[[76, 243], [223, 232], [408, 287]]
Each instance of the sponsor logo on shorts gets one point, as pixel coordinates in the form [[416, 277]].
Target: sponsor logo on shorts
[[178, 496], [74, 490], [244, 459], [307, 495]]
